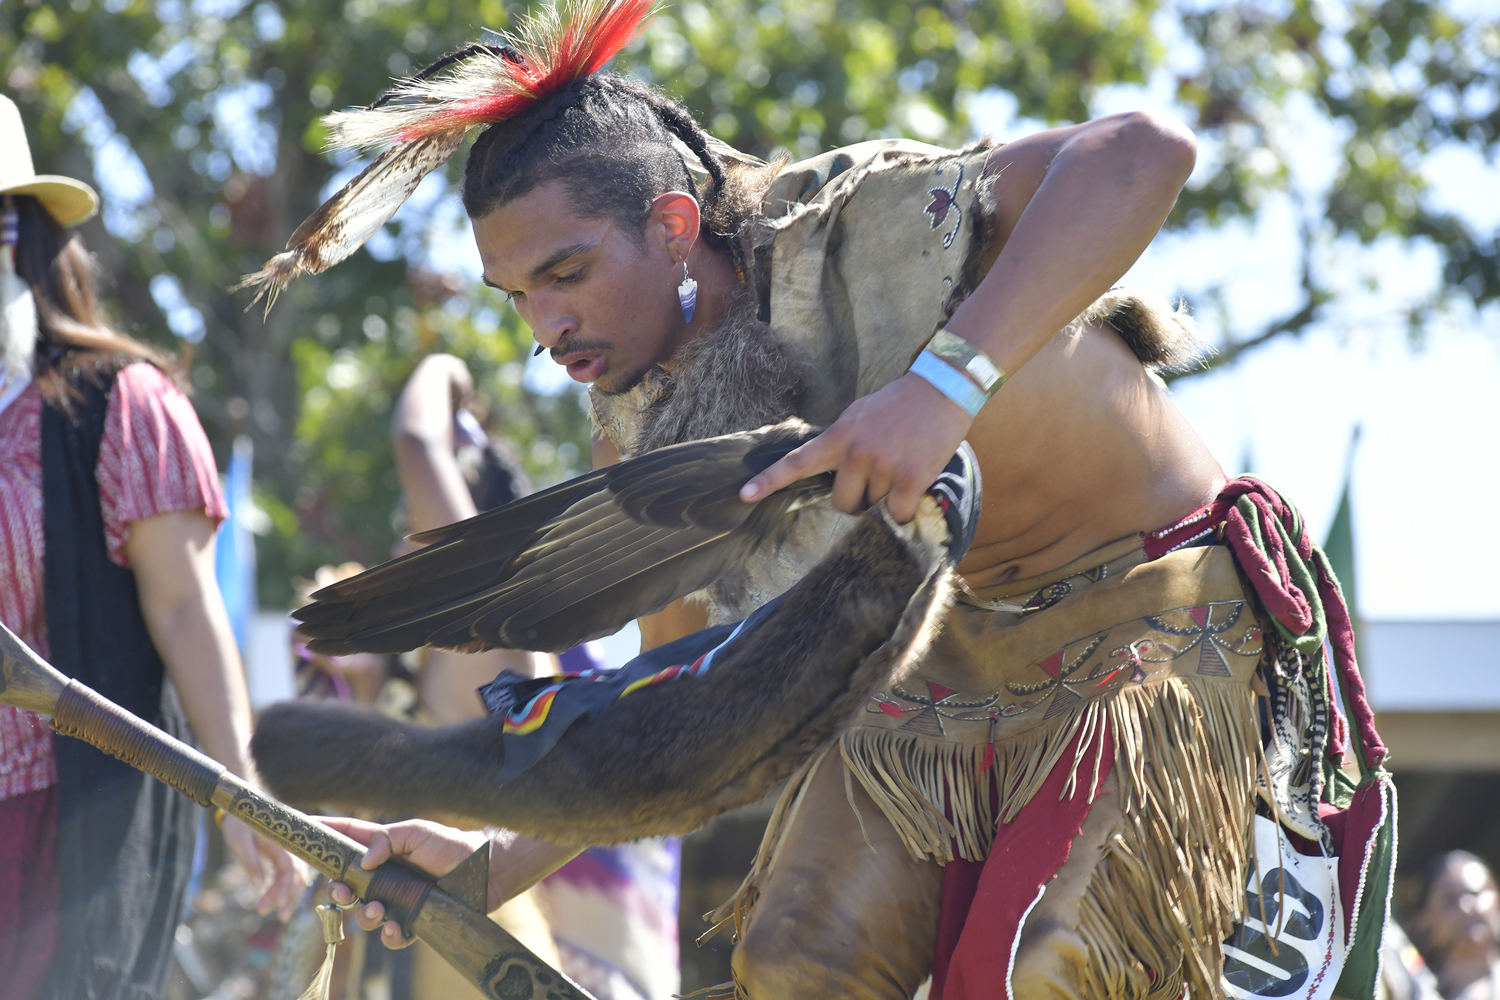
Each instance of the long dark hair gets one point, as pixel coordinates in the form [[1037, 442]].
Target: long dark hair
[[73, 335]]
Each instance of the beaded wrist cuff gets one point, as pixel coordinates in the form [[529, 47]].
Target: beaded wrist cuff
[[968, 359]]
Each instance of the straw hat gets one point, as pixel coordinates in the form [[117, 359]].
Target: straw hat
[[69, 201]]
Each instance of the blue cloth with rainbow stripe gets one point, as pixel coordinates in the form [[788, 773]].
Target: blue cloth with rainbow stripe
[[539, 710]]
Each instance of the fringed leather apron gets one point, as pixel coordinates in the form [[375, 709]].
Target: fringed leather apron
[[1118, 685]]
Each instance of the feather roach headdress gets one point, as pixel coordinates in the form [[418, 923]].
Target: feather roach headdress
[[426, 117]]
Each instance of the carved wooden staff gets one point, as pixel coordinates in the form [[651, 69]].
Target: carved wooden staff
[[447, 913]]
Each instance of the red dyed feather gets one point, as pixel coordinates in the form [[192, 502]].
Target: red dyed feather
[[575, 51]]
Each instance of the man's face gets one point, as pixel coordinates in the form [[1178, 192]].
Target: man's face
[[603, 303]]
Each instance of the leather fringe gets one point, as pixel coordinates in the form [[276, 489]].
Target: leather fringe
[[910, 778], [1168, 889], [1170, 886]]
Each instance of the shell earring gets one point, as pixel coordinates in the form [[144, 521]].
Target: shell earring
[[687, 293]]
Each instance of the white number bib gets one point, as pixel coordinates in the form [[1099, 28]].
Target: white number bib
[[1291, 943]]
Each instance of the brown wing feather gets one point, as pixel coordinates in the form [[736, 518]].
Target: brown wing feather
[[572, 563], [669, 757]]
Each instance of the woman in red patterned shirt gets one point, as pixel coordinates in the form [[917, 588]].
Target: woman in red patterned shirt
[[92, 861]]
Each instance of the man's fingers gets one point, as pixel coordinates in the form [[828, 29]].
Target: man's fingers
[[392, 936], [355, 829], [821, 454], [379, 851], [901, 502], [370, 916], [852, 485]]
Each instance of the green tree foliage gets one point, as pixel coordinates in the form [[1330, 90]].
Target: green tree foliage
[[200, 120]]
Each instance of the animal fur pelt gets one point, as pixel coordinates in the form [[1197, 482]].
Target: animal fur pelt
[[1163, 338], [574, 562], [739, 377], [669, 757]]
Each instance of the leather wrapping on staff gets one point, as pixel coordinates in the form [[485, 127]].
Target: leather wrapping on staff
[[88, 715], [402, 891]]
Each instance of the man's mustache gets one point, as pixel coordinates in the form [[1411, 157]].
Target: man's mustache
[[571, 348]]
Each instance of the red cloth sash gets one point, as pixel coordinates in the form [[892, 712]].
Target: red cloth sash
[[985, 904]]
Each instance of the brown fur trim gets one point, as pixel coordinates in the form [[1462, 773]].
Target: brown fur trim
[[738, 377], [741, 377], [1163, 338]]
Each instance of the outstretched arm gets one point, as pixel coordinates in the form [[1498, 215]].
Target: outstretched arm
[[1075, 207]]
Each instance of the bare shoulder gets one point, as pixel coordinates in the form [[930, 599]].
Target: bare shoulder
[[1016, 169]]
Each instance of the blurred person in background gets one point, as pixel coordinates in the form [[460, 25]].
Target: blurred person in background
[[361, 677], [612, 910], [1404, 974], [448, 468], [109, 500], [1457, 927]]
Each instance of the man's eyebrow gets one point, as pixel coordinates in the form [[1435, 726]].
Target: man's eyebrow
[[558, 256]]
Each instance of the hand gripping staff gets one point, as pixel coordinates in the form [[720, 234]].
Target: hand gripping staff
[[447, 913]]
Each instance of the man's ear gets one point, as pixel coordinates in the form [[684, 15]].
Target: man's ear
[[679, 217]]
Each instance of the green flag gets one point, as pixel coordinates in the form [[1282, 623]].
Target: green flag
[[1339, 545]]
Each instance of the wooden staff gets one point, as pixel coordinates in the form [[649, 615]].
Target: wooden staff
[[447, 913]]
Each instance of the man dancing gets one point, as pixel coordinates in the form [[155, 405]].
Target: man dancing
[[1059, 799]]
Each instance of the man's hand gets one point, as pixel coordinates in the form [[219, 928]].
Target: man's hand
[[282, 889], [892, 443], [432, 847]]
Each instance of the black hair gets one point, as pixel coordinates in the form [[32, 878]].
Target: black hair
[[1422, 884], [1419, 894], [609, 140]]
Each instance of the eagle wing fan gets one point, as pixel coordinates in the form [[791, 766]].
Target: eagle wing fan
[[635, 537]]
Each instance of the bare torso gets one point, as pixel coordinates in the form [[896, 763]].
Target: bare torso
[[1081, 447]]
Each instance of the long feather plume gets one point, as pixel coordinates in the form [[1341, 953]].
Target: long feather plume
[[426, 119], [343, 223]]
